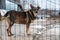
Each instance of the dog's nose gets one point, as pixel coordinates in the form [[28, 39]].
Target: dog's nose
[[36, 12]]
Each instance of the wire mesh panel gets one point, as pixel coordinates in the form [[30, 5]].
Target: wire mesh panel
[[43, 26]]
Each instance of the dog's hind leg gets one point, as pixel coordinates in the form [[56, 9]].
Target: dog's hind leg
[[9, 27]]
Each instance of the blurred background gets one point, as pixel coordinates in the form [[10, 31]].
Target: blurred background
[[44, 4]]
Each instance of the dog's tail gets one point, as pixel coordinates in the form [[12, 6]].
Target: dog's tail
[[3, 17], [6, 14]]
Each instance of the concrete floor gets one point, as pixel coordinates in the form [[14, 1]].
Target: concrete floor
[[39, 30]]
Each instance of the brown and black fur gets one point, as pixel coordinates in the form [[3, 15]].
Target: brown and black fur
[[20, 18]]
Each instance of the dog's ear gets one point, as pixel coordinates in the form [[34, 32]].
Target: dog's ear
[[31, 6], [20, 7]]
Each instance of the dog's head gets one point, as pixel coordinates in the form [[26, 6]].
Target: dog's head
[[34, 9]]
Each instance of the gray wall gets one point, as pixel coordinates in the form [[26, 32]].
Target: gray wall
[[2, 4]]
